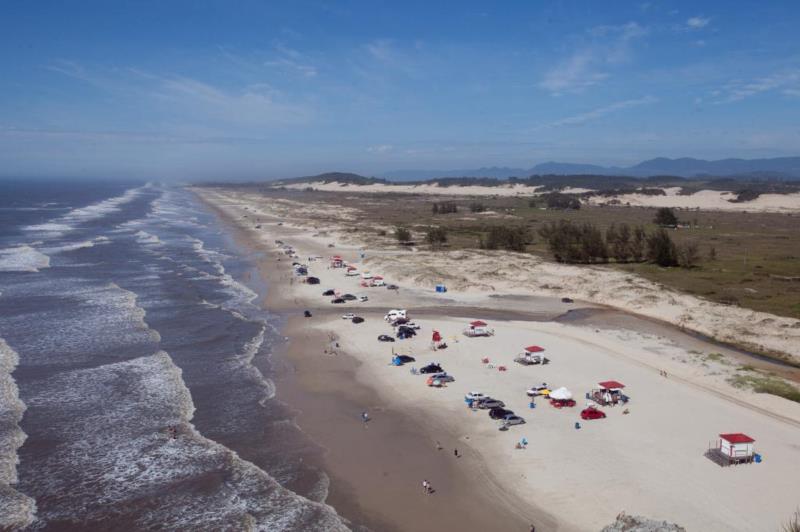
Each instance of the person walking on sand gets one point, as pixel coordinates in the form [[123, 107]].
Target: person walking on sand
[[425, 486], [455, 453], [364, 416]]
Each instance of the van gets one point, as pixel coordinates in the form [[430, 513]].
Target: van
[[394, 314]]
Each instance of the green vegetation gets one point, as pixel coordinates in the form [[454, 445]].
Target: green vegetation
[[508, 238], [556, 200], [766, 384], [665, 217], [477, 207], [445, 207], [436, 237]]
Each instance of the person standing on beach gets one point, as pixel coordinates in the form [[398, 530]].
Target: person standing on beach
[[455, 453], [425, 487]]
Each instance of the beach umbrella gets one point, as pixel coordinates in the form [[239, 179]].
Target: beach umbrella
[[478, 323], [534, 349]]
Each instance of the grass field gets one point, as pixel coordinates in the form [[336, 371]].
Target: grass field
[[757, 262]]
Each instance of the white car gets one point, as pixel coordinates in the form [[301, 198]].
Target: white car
[[363, 298], [412, 325], [378, 282], [351, 273], [348, 316], [394, 314], [474, 396]]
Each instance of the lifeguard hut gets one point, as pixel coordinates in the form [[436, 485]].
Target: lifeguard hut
[[733, 449], [478, 328], [608, 393]]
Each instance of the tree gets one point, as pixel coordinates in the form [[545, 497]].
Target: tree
[[575, 243], [435, 208], [556, 200], [621, 246], [510, 238], [436, 236], [712, 253], [477, 207], [688, 255], [665, 217], [638, 243], [402, 234], [661, 250]]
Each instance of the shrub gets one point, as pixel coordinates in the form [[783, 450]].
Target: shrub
[[510, 238], [688, 255], [572, 243], [556, 200], [445, 207], [436, 236], [665, 217], [477, 207], [402, 234], [661, 250]]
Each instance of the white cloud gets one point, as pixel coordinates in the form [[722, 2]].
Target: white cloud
[[696, 23], [787, 82], [292, 60], [588, 66], [381, 148], [599, 112]]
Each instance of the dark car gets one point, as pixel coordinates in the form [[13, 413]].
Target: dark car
[[432, 368], [511, 419], [399, 321], [488, 403], [307, 313], [567, 300], [385, 338], [405, 332], [337, 301], [358, 319], [392, 287], [444, 377], [499, 412], [330, 292], [312, 280], [405, 359], [349, 297]]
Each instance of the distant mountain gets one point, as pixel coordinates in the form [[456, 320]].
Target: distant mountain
[[779, 167]]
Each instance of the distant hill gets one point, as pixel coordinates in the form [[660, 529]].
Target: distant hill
[[775, 168], [334, 177]]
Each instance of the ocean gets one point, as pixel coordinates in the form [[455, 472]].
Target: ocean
[[135, 388]]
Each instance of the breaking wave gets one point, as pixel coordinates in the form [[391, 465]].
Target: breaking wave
[[23, 259], [16, 509]]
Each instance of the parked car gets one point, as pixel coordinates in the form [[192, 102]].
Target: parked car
[[349, 297], [312, 280], [363, 298], [474, 396], [512, 419], [337, 301], [540, 390], [352, 273], [385, 338], [488, 402], [592, 413], [412, 325], [358, 319], [404, 332], [392, 287], [395, 314], [432, 368], [444, 377], [399, 321], [348, 316], [567, 300], [405, 359], [499, 412], [307, 313], [330, 292], [378, 282]]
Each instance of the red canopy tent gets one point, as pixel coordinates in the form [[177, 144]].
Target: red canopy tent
[[534, 349], [737, 437], [477, 323], [611, 385]]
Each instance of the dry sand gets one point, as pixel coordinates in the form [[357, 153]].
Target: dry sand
[[648, 462]]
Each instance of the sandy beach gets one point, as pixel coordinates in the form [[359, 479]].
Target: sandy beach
[[648, 462]]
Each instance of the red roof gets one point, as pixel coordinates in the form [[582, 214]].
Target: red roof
[[377, 277], [534, 349], [610, 385], [737, 437], [478, 323], [336, 257]]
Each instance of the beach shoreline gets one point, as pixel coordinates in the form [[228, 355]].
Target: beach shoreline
[[638, 358]]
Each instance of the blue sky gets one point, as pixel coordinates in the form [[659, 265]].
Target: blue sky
[[249, 89]]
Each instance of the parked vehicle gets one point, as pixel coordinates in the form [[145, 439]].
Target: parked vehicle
[[499, 412], [349, 297], [378, 282], [531, 360], [444, 377], [395, 314], [567, 300], [358, 319], [404, 332], [399, 321], [540, 390], [307, 313], [348, 316], [392, 287], [432, 368], [412, 325], [385, 338], [330, 292], [363, 298], [489, 403], [312, 280], [337, 301], [592, 413], [352, 273], [474, 396], [404, 359], [512, 419]]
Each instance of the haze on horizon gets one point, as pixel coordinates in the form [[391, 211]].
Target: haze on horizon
[[217, 90]]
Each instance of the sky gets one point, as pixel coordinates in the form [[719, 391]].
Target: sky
[[207, 89]]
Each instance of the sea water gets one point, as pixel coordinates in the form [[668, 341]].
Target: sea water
[[130, 390]]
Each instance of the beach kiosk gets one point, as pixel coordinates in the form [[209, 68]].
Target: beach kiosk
[[608, 393], [530, 356], [732, 449], [478, 328], [337, 262]]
